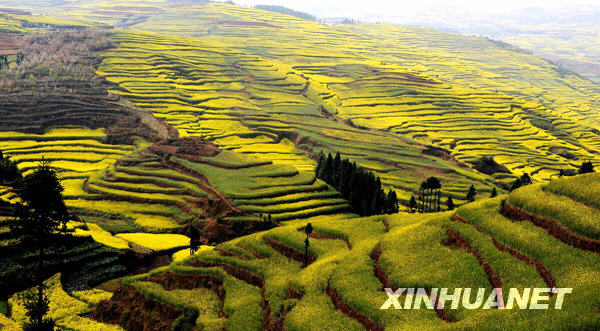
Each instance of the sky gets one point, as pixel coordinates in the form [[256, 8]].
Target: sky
[[390, 8]]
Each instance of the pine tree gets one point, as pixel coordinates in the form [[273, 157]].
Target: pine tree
[[308, 230], [9, 172], [320, 164], [37, 218], [471, 194], [450, 203], [391, 202], [412, 204]]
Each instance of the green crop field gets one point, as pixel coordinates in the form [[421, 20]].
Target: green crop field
[[167, 118], [256, 282]]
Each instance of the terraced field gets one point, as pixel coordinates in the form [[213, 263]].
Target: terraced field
[[260, 281], [247, 105], [233, 105], [267, 96]]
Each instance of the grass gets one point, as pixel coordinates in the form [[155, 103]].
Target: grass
[[575, 216], [156, 242], [414, 253], [580, 188]]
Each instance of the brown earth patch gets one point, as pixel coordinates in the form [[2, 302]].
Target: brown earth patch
[[386, 224], [342, 306], [133, 311], [188, 148], [317, 235], [9, 43], [288, 251], [544, 273], [495, 280], [442, 154], [553, 227], [170, 281]]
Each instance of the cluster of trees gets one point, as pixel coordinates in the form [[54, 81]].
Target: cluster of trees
[[429, 195], [37, 220], [9, 172], [586, 168], [55, 60], [4, 62], [524, 180], [360, 187]]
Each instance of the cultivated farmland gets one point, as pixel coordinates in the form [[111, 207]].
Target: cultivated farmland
[[186, 137]]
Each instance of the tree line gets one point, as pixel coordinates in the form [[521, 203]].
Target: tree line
[[357, 185]]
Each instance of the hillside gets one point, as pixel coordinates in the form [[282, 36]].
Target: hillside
[[259, 281], [168, 118]]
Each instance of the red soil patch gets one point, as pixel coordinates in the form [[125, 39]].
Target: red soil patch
[[171, 281], [247, 277], [292, 293], [443, 154], [386, 225], [239, 273], [553, 228], [9, 43], [190, 148], [544, 273], [288, 251], [133, 311], [342, 306], [383, 278], [495, 281], [243, 23]]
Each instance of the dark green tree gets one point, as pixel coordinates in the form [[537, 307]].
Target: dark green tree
[[37, 219], [360, 187], [450, 203], [20, 58], [494, 193], [524, 180], [308, 230], [391, 202], [9, 172], [471, 194], [586, 167], [194, 235], [412, 204]]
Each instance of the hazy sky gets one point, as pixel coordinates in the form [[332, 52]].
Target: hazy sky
[[389, 8]]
